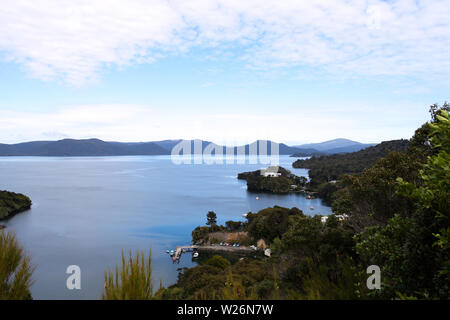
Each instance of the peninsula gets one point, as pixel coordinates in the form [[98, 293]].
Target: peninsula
[[12, 203]]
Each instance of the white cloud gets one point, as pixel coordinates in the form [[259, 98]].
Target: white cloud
[[73, 41]]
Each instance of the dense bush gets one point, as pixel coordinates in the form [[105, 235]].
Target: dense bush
[[413, 251], [270, 223], [281, 184], [332, 167]]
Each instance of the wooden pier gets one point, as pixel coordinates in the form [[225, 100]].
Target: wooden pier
[[179, 250]]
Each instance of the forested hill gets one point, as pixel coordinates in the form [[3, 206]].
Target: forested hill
[[97, 147], [331, 167]]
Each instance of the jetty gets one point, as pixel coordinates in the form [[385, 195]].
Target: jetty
[[179, 250]]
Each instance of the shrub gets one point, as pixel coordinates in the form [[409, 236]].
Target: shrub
[[218, 262], [132, 282], [15, 269]]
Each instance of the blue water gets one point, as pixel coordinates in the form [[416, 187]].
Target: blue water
[[87, 209]]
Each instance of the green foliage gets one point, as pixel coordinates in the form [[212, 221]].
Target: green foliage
[[15, 269], [281, 184], [436, 110], [412, 249], [270, 223], [199, 234], [133, 281], [326, 191], [309, 244], [233, 226], [371, 198], [269, 184], [332, 167], [218, 262], [205, 281], [433, 194], [308, 236], [342, 281], [235, 290], [211, 218], [12, 203]]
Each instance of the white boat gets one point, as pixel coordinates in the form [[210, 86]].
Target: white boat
[[257, 198], [195, 255]]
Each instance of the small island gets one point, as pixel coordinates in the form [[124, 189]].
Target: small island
[[12, 203], [274, 179]]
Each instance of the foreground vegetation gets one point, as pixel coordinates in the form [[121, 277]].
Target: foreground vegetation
[[132, 281], [15, 269]]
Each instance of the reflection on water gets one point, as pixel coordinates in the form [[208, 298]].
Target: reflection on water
[[86, 210]]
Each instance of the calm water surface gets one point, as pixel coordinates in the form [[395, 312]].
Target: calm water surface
[[87, 209]]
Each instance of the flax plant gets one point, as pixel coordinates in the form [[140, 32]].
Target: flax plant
[[15, 269], [133, 281]]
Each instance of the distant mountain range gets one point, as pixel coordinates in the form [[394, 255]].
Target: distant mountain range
[[96, 147], [334, 146]]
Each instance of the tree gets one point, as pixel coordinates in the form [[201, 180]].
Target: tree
[[132, 282], [15, 269], [371, 197], [432, 196], [234, 225], [211, 218], [218, 262], [435, 110], [268, 223], [413, 250]]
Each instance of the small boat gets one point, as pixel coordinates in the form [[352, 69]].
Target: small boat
[[312, 208], [195, 255], [172, 252], [257, 198], [167, 251]]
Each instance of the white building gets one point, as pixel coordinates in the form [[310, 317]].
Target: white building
[[270, 172]]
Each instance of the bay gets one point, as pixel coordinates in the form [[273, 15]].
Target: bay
[[86, 210]]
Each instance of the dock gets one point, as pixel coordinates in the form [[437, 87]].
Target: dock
[[179, 250]]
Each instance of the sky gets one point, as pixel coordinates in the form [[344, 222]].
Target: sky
[[229, 71]]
